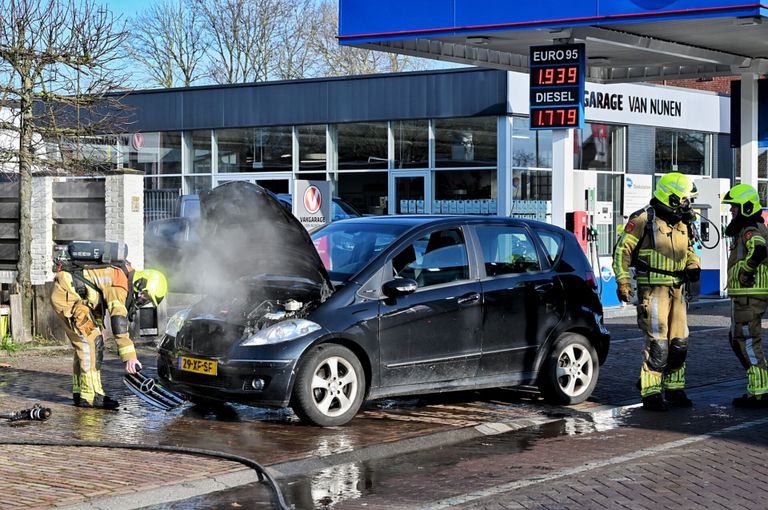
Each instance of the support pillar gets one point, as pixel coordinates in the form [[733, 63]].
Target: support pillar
[[749, 129], [562, 175], [124, 222]]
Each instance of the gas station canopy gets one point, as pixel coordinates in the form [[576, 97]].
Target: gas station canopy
[[626, 40]]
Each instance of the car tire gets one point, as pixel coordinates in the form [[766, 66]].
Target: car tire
[[329, 388], [570, 371]]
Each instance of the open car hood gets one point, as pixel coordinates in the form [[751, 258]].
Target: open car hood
[[247, 234]]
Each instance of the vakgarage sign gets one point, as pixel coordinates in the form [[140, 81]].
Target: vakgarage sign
[[312, 203]]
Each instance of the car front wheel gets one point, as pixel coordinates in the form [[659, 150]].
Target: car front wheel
[[330, 385], [570, 371]]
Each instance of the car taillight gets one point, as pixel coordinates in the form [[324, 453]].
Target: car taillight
[[589, 276]]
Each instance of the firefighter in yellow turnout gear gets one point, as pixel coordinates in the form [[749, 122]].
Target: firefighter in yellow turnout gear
[[658, 242], [81, 298], [748, 289]]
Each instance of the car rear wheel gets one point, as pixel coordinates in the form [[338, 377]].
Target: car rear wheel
[[330, 385], [570, 371]]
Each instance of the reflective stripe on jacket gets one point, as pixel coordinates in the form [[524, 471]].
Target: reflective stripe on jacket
[[664, 246], [743, 257]]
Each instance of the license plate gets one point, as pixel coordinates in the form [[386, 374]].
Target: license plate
[[196, 365]]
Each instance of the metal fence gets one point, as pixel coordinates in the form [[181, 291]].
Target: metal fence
[[160, 204]]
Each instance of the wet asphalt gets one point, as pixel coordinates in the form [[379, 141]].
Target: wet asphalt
[[410, 452]]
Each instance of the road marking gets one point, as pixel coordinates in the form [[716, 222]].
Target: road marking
[[636, 338], [519, 484]]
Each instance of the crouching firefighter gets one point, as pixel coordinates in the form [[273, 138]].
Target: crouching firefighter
[[658, 243], [748, 289], [89, 283]]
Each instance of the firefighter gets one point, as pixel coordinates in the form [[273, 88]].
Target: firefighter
[[81, 298], [658, 242], [748, 289]]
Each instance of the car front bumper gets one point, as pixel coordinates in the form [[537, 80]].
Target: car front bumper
[[254, 382]]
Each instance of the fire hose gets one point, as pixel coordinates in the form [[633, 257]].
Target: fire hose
[[35, 413], [39, 413]]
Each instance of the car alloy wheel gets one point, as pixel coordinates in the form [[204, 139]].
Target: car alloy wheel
[[571, 370], [329, 386]]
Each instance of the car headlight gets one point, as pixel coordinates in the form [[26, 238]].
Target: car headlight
[[281, 332], [176, 322]]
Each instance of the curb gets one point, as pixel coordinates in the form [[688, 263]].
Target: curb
[[629, 310]]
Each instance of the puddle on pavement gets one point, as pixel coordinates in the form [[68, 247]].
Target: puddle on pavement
[[348, 482]]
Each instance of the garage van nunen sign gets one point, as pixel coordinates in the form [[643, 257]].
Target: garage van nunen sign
[[641, 104]]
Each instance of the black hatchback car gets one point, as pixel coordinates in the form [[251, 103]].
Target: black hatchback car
[[375, 307]]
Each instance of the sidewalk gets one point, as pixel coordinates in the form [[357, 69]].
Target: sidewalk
[[45, 476]]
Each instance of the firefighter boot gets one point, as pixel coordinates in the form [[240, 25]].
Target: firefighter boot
[[99, 402], [751, 401], [76, 399], [677, 398], [654, 402]]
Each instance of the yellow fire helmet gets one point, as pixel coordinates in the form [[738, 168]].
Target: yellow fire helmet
[[674, 189], [151, 284], [746, 197]]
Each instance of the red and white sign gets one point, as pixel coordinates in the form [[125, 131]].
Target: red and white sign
[[137, 141], [313, 199]]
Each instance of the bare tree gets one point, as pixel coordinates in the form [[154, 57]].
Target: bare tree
[[243, 35], [340, 60], [169, 41], [58, 59], [296, 57]]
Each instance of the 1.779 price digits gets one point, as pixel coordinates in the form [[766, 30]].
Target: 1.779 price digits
[[555, 117]]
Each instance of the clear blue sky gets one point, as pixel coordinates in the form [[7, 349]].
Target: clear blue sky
[[126, 8]]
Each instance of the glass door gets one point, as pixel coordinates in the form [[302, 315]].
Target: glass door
[[410, 192]]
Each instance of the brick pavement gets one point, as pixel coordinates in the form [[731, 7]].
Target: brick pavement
[[275, 438], [711, 456]]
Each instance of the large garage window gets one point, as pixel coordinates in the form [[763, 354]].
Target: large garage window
[[687, 152], [255, 149], [507, 250], [362, 145], [466, 142]]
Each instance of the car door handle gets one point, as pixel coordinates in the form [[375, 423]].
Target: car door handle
[[469, 298], [543, 288]]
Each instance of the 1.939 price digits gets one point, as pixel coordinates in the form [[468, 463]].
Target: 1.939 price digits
[[556, 76]]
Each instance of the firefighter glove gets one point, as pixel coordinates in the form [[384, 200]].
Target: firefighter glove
[[82, 319], [746, 279], [624, 292], [693, 274]]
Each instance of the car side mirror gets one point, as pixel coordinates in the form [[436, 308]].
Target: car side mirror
[[399, 287]]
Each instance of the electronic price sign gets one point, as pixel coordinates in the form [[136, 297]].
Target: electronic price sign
[[557, 86]]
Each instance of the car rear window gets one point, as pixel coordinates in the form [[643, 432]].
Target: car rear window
[[553, 242], [507, 250]]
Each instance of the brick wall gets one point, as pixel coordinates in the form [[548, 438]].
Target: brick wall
[[42, 230], [720, 84]]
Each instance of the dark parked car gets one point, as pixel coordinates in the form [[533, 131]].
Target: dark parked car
[[380, 306], [340, 209]]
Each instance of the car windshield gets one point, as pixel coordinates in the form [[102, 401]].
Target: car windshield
[[345, 247], [342, 210]]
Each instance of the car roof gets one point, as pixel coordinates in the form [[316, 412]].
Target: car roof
[[423, 219]]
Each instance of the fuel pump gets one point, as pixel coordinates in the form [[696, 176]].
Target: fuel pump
[[584, 222]]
